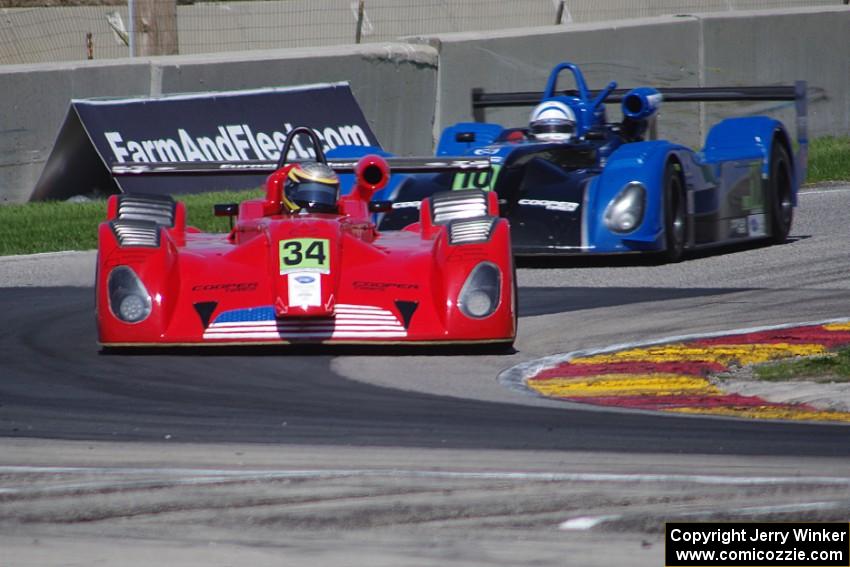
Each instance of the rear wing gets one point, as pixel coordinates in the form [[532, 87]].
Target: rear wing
[[396, 165], [798, 93]]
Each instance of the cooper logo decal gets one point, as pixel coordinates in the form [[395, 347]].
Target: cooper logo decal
[[565, 206], [226, 287], [383, 286], [407, 205]]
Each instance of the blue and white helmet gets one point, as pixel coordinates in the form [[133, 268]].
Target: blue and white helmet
[[553, 121]]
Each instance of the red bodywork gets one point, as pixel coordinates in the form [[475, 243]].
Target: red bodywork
[[304, 278]]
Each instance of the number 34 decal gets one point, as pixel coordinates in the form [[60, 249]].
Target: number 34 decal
[[305, 254]]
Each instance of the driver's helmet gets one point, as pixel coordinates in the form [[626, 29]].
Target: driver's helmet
[[553, 121], [311, 186]]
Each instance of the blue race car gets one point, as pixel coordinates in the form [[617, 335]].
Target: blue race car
[[574, 183]]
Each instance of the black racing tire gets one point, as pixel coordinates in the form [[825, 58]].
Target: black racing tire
[[675, 216], [779, 189], [515, 299], [505, 348]]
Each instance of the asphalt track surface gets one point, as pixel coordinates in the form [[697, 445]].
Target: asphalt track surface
[[343, 458], [57, 385]]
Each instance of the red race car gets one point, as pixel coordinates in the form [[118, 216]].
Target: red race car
[[304, 265]]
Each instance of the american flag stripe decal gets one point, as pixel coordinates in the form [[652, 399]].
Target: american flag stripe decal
[[350, 321]]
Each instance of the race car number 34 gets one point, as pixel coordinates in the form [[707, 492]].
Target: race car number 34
[[305, 255]]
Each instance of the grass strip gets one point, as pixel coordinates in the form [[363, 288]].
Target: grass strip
[[834, 367], [54, 226], [829, 159]]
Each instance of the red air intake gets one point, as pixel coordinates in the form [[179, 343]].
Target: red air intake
[[372, 174]]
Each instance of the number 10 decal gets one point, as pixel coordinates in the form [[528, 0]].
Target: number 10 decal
[[305, 255], [484, 180]]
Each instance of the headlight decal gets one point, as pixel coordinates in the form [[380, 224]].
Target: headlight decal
[[625, 212], [480, 294], [129, 301]]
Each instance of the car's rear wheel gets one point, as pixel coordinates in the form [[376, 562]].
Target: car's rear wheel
[[675, 219], [779, 188]]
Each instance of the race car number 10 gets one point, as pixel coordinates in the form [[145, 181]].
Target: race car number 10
[[305, 255], [484, 180]]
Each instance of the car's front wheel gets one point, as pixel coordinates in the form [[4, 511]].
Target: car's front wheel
[[675, 220], [779, 187]]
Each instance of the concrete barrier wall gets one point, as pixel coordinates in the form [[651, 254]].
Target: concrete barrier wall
[[729, 48], [781, 48], [408, 98], [395, 85], [34, 103], [658, 51]]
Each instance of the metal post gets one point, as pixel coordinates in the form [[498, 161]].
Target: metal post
[[801, 106], [131, 30], [360, 10], [560, 14], [90, 45]]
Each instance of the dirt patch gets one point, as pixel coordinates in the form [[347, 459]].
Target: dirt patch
[[820, 392]]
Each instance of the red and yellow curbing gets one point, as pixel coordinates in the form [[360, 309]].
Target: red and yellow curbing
[[673, 377]]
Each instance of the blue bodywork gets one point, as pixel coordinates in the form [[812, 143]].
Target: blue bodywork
[[610, 189]]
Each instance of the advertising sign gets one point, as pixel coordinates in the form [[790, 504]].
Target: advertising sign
[[218, 126]]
